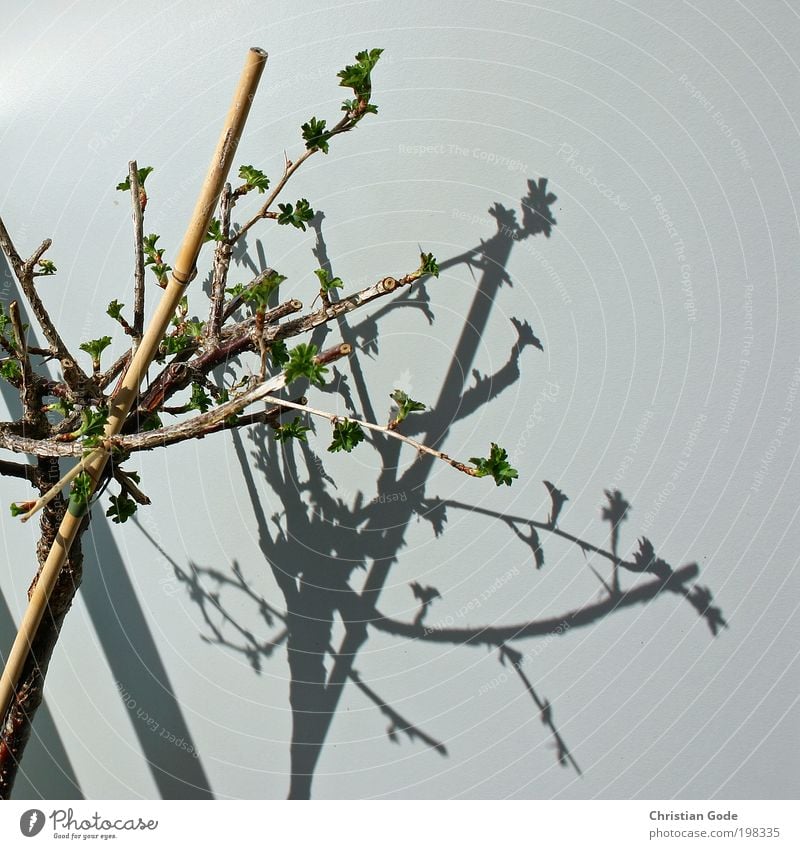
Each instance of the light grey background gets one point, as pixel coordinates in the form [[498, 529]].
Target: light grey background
[[614, 103]]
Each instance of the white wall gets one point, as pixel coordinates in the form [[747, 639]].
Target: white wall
[[615, 104]]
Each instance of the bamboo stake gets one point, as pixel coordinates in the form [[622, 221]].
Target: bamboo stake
[[122, 402]]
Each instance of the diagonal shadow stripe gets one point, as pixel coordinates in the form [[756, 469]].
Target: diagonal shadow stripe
[[46, 771]]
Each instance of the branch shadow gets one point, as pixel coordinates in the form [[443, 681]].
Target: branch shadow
[[323, 542]]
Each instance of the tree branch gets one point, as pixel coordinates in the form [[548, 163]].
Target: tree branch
[[424, 449], [138, 246], [27, 391], [222, 259], [74, 376], [290, 168], [9, 250], [18, 470]]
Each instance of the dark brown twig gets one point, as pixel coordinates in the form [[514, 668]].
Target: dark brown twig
[[77, 380], [138, 245]]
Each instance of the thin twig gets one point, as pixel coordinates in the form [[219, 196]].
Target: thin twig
[[24, 359], [344, 125], [128, 484], [222, 260], [77, 380], [10, 251], [18, 470], [333, 417], [114, 370], [262, 213], [30, 264], [138, 243]]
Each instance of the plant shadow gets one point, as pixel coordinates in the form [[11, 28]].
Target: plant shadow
[[322, 544]]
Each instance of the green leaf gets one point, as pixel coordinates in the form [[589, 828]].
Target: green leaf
[[315, 136], [496, 465], [20, 509], [357, 76], [302, 363], [180, 311], [10, 370], [194, 328], [81, 491], [141, 174], [47, 267], [161, 270], [405, 405], [114, 309], [95, 347], [279, 353], [292, 430], [154, 257], [199, 400], [258, 296], [428, 265], [149, 244], [176, 344], [254, 179], [62, 407], [214, 232], [237, 290], [326, 282], [93, 424], [296, 215], [122, 508], [346, 435]]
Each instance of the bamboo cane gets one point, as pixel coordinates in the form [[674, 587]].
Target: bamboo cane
[[122, 402]]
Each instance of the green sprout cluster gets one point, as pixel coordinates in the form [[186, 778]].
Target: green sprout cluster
[[303, 363], [496, 465]]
